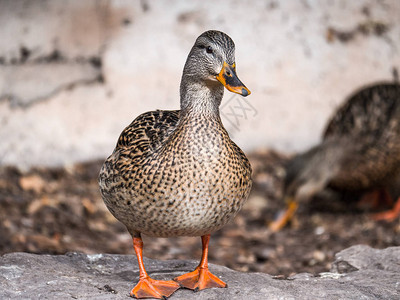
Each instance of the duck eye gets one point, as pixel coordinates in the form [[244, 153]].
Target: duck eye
[[209, 49]]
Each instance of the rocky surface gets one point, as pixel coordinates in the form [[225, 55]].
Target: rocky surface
[[359, 272]]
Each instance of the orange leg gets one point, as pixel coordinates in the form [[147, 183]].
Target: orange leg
[[375, 199], [283, 219], [201, 278], [148, 287], [389, 215], [369, 200]]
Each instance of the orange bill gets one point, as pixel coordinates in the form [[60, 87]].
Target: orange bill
[[229, 79]]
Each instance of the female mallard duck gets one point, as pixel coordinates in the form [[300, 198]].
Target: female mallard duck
[[177, 173], [360, 150]]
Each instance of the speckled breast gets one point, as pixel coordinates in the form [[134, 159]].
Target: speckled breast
[[192, 186]]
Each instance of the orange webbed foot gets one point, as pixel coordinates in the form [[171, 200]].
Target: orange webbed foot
[[201, 278], [151, 288]]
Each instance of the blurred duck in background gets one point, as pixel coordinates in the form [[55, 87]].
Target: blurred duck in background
[[360, 152]]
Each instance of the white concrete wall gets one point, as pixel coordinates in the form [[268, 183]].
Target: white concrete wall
[[58, 105]]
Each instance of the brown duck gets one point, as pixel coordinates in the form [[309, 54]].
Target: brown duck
[[177, 173], [360, 151]]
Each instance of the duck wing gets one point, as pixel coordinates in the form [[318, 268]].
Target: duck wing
[[367, 129], [370, 111], [137, 142], [147, 132]]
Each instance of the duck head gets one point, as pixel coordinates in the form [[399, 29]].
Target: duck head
[[310, 173], [211, 64]]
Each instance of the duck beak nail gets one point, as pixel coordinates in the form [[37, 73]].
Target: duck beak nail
[[229, 79]]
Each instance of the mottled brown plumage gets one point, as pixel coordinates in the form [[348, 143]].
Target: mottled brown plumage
[[185, 176], [360, 147], [177, 173], [360, 150]]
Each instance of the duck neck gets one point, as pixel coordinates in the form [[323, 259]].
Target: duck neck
[[200, 99]]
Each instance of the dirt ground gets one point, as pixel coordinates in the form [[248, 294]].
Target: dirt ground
[[60, 210]]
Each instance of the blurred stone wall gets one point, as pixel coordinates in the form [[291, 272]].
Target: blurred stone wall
[[73, 74]]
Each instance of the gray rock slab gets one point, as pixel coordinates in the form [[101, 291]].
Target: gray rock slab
[[359, 272]]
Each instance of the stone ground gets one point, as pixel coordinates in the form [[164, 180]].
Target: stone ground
[[359, 272]]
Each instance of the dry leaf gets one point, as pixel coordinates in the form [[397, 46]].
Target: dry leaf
[[32, 182]]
